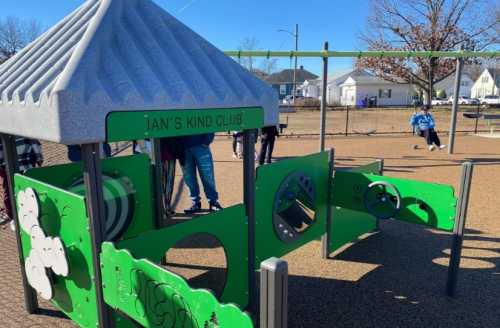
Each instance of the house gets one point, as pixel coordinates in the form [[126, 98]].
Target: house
[[283, 81], [448, 85], [314, 88], [488, 84], [358, 87]]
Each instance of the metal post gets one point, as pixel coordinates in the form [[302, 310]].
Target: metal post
[[11, 167], [347, 121], [323, 101], [274, 294], [454, 109], [296, 63], [380, 172], [325, 240], [158, 179], [92, 176], [249, 199], [458, 230], [477, 118]]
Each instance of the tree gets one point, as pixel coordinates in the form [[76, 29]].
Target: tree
[[248, 44], [15, 34], [427, 25]]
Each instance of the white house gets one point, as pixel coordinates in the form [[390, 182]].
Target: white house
[[488, 84], [448, 85], [314, 88], [358, 87]]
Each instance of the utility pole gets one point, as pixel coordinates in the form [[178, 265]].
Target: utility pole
[[296, 62]]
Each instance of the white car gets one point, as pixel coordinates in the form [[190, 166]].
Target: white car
[[439, 101], [490, 101], [464, 100]]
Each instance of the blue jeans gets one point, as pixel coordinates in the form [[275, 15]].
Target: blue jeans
[[200, 157]]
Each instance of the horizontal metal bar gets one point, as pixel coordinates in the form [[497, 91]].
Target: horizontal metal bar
[[360, 54]]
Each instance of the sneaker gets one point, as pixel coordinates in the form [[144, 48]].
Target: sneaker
[[215, 207], [13, 225], [442, 147], [235, 156], [195, 208], [432, 147]]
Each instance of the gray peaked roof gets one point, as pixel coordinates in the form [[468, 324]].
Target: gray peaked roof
[[118, 55]]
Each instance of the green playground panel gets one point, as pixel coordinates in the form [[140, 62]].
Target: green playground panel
[[136, 169], [424, 203], [269, 179], [348, 225], [229, 227], [156, 297], [173, 123], [64, 215]]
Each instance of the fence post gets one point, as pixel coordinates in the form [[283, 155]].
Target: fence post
[[458, 230], [324, 101], [347, 121], [477, 118], [274, 293]]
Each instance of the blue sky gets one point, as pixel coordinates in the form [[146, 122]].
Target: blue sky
[[226, 23]]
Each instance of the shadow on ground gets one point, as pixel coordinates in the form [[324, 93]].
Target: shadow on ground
[[407, 287]]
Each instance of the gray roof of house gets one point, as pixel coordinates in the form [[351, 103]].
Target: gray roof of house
[[118, 55], [286, 76]]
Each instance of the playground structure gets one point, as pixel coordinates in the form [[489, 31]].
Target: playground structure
[[90, 234]]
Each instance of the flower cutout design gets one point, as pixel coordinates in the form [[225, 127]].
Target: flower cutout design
[[47, 253]]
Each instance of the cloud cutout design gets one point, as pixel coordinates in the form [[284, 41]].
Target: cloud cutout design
[[28, 209], [37, 276], [46, 252]]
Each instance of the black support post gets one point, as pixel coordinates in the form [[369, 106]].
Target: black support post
[[11, 167], [92, 176], [249, 199], [157, 182], [458, 230], [325, 240], [380, 172]]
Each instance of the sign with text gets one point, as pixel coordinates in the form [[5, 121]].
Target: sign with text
[[123, 126]]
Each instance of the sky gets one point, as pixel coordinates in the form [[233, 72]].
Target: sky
[[226, 23]]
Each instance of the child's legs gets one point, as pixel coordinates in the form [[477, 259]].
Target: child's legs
[[435, 137], [428, 137]]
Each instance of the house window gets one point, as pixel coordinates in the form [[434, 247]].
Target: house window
[[283, 89], [485, 79], [464, 83], [385, 93]]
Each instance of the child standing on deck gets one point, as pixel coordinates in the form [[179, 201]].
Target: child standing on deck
[[425, 124]]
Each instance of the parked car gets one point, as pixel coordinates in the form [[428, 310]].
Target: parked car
[[464, 100], [288, 100], [439, 102], [490, 101]]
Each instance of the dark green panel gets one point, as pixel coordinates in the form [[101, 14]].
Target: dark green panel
[[348, 225], [134, 169], [423, 203], [269, 179], [228, 226], [63, 215], [122, 126], [156, 297]]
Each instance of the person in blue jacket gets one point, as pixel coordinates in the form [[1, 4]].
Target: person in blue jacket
[[425, 124], [198, 157]]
